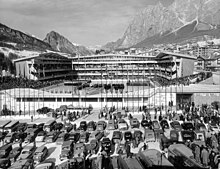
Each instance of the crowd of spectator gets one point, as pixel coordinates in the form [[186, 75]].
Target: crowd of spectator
[[9, 82], [186, 80]]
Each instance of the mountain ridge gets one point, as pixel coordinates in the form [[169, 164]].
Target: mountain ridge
[[158, 20], [21, 39]]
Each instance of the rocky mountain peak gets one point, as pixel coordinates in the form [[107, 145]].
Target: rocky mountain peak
[[164, 24], [62, 44]]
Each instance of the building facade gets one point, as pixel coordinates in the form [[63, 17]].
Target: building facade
[[133, 67], [48, 66]]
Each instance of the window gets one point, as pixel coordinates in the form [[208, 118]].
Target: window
[[218, 61], [199, 63]]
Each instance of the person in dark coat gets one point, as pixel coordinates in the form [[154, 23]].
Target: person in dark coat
[[143, 117], [160, 117], [145, 147], [212, 159], [128, 150], [130, 116]]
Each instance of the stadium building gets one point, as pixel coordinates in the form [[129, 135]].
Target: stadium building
[[138, 73]]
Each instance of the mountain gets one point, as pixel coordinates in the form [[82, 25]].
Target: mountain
[[16, 39], [179, 21], [60, 43]]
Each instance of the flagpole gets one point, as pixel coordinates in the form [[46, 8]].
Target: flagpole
[[19, 93], [121, 86], [38, 98], [138, 87], [149, 79], [127, 85], [86, 85], [133, 88], [15, 98], [34, 101], [117, 84], [112, 88], [72, 83], [182, 88], [24, 89], [160, 87], [29, 104], [143, 73], [79, 96], [101, 85], [171, 92], [154, 87], [106, 85], [176, 83], [9, 97], [43, 85], [166, 90]]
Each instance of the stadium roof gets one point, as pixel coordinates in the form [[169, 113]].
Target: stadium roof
[[56, 54], [166, 54], [110, 54]]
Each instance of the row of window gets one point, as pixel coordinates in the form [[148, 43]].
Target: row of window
[[77, 99]]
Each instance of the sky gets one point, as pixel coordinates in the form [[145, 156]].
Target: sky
[[86, 22]]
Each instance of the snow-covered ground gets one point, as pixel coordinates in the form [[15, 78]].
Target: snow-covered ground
[[20, 53]]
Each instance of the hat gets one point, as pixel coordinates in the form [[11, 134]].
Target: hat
[[165, 150], [215, 150], [104, 153]]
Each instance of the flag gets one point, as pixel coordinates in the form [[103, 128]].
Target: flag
[[106, 70], [43, 71]]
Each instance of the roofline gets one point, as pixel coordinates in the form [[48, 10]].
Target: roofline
[[38, 55], [110, 54], [175, 54], [25, 58]]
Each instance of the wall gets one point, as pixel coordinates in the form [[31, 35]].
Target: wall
[[22, 69], [206, 98], [188, 67], [216, 78]]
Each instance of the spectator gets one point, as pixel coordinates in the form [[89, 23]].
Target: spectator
[[166, 153], [212, 159], [160, 117], [128, 150], [217, 161], [204, 156], [197, 154], [145, 147], [214, 141]]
